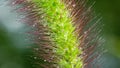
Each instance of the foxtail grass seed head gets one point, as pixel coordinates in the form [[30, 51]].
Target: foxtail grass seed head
[[66, 33]]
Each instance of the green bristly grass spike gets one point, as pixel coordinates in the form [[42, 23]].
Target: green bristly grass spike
[[63, 33], [57, 19]]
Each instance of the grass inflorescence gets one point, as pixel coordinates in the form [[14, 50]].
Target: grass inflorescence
[[57, 19], [66, 33]]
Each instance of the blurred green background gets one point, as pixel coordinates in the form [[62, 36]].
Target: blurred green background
[[110, 11]]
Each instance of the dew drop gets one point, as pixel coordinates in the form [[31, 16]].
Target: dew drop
[[73, 5], [35, 57], [70, 2], [70, 9], [36, 49], [34, 24], [13, 3], [85, 32], [42, 16], [39, 38], [44, 60]]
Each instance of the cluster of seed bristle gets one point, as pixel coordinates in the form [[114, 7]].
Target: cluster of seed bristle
[[42, 55], [86, 31]]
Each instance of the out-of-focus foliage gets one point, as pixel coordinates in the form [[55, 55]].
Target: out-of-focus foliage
[[13, 39], [110, 11]]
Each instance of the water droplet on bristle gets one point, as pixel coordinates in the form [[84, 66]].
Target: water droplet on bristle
[[85, 32], [35, 57], [73, 5], [36, 49], [44, 60]]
